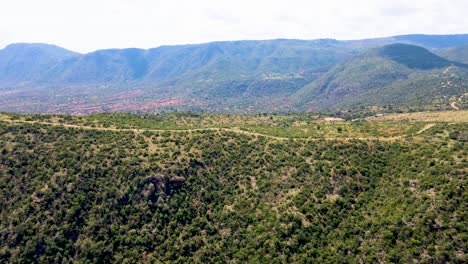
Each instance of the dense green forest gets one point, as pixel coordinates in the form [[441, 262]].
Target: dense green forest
[[184, 188]]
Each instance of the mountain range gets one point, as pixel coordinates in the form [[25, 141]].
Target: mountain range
[[279, 75], [395, 74]]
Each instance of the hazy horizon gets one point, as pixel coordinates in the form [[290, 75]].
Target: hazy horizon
[[85, 26], [214, 41]]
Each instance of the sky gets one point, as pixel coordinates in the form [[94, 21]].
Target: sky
[[88, 25]]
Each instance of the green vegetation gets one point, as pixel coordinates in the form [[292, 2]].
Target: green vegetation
[[414, 57], [83, 189], [286, 126], [459, 54], [397, 75], [275, 76]]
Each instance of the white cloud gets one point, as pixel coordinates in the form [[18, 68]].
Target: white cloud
[[87, 25]]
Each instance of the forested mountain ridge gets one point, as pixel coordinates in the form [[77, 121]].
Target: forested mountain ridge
[[24, 62], [203, 60], [395, 74], [232, 76], [98, 193], [218, 60]]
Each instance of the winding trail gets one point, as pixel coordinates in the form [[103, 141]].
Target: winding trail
[[426, 127], [238, 131]]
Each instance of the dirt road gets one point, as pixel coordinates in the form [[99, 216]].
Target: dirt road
[[238, 131]]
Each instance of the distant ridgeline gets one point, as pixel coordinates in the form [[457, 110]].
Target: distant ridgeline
[[279, 75]]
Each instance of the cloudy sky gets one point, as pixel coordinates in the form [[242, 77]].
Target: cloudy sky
[[87, 25]]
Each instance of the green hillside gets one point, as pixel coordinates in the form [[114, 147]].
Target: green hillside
[[413, 57], [25, 62], [246, 76], [396, 74], [459, 54], [185, 188]]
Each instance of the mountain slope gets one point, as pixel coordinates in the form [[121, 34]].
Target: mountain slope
[[27, 62], [413, 57], [103, 66], [459, 53], [241, 76], [219, 61], [232, 60], [434, 41], [393, 74]]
